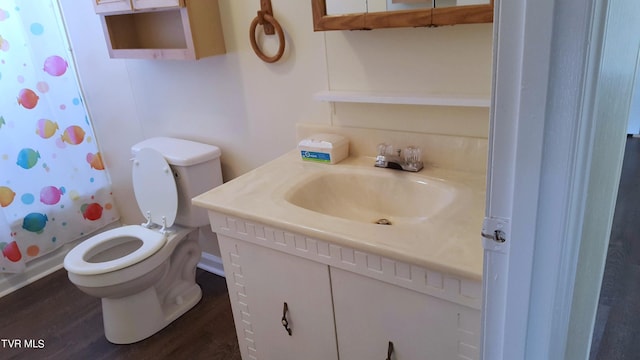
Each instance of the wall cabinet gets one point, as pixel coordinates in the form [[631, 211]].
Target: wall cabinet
[[161, 29], [150, 4], [111, 6], [116, 6], [342, 303]]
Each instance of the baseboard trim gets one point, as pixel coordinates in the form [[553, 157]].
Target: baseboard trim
[[34, 272], [211, 263]]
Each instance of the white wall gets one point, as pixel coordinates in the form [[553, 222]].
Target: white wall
[[561, 101], [446, 60], [634, 113], [249, 108], [611, 102]]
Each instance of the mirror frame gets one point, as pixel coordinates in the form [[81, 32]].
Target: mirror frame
[[467, 14]]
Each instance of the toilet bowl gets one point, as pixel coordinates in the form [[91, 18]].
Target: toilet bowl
[[145, 274]]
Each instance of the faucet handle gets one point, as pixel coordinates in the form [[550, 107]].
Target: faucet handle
[[412, 155], [384, 149]]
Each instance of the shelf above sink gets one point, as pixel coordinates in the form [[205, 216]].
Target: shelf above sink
[[375, 97]]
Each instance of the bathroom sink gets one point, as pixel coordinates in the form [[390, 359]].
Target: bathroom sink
[[436, 214], [384, 197]]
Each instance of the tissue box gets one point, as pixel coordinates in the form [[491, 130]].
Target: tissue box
[[324, 148]]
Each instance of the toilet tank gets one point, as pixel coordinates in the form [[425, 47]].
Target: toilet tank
[[196, 169]]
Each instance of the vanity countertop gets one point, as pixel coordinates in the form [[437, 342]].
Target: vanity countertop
[[448, 242]]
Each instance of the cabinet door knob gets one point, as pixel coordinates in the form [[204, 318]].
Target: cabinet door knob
[[284, 320], [389, 351]]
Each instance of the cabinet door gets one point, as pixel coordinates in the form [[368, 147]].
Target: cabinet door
[[151, 4], [260, 281], [369, 314], [111, 6]]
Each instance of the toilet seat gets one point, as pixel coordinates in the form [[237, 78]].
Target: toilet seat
[[157, 196], [152, 241]]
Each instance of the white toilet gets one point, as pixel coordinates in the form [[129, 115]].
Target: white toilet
[[145, 274]]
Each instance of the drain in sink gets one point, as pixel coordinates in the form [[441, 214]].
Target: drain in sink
[[383, 222]]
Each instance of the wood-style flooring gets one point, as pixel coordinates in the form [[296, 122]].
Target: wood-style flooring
[[69, 323], [617, 331]]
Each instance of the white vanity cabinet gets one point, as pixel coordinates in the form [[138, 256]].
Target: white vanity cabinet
[[370, 313], [260, 282], [342, 303]]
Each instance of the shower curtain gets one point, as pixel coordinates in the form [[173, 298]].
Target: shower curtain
[[53, 184]]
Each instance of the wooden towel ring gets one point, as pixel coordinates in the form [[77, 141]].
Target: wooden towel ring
[[267, 20]]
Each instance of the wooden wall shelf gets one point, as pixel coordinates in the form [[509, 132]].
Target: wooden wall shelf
[[188, 32]]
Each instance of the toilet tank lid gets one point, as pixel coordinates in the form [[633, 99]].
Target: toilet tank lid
[[179, 152]]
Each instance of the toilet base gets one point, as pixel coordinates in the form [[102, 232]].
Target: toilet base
[[136, 317]]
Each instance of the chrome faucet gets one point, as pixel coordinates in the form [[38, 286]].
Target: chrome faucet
[[393, 159]]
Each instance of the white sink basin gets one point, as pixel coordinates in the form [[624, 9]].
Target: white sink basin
[[380, 196]]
